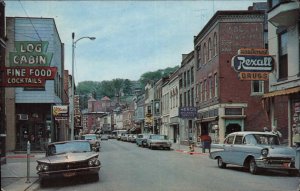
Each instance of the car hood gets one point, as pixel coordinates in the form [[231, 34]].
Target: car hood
[[67, 157]]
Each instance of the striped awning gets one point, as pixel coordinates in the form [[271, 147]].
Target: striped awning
[[282, 92]]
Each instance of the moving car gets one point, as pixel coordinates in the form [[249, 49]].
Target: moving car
[[93, 139], [159, 141], [255, 151], [68, 159]]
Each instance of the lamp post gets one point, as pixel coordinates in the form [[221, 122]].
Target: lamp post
[[72, 89]]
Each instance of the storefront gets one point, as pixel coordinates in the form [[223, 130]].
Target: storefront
[[33, 123]]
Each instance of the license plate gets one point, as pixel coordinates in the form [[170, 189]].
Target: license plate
[[69, 174]]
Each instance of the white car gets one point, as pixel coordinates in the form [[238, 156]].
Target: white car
[[159, 141], [255, 151]]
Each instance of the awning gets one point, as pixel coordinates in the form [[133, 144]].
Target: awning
[[282, 92]]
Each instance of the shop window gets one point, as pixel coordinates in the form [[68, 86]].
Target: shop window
[[233, 111]]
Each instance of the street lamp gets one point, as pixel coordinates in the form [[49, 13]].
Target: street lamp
[[72, 90]]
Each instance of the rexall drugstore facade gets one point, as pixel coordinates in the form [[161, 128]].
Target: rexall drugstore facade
[[33, 81]]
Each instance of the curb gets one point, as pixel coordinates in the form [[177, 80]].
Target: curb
[[191, 153]]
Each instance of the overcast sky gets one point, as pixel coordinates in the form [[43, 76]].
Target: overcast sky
[[132, 37]]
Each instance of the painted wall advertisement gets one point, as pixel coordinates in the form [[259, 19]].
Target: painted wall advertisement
[[29, 65]]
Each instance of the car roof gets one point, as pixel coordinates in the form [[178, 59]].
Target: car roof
[[60, 142], [251, 132]]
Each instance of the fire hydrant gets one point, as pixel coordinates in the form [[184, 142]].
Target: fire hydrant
[[192, 148]]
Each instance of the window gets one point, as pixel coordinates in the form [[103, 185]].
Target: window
[[189, 98], [188, 78], [205, 89], [184, 78], [209, 49], [204, 54], [283, 56], [216, 85], [238, 140], [257, 87], [249, 140], [200, 91], [180, 100], [199, 56], [210, 87], [215, 44], [192, 75], [192, 97], [233, 111], [229, 140]]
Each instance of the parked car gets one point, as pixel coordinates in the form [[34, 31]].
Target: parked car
[[141, 140], [93, 139], [132, 138], [124, 137], [67, 159], [104, 137], [255, 151], [159, 141]]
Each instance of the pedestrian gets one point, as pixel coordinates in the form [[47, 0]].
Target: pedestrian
[[205, 142], [276, 132]]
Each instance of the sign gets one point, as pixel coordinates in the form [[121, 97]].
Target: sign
[[27, 76], [253, 64], [254, 75], [187, 112], [60, 112], [30, 53], [249, 63]]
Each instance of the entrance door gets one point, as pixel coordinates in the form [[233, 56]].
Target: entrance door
[[230, 128], [175, 133]]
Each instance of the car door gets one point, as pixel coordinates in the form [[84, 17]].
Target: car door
[[227, 146], [238, 150]]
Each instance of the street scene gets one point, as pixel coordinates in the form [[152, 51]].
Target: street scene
[[150, 95]]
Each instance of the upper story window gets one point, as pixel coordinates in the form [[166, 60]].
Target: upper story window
[[283, 56], [215, 44], [198, 56], [205, 89], [209, 49], [204, 54], [192, 75], [184, 78], [188, 78], [257, 87], [216, 85], [200, 91]]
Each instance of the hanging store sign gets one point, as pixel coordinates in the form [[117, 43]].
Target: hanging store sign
[[27, 76], [253, 64], [60, 112], [187, 112]]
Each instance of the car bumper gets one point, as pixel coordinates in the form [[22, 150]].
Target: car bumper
[[161, 145], [282, 165], [70, 172]]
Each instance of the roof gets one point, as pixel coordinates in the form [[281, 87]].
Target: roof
[[253, 132], [105, 98]]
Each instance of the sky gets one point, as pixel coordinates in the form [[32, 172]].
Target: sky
[[132, 37]]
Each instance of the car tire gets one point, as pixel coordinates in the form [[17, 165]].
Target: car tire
[[221, 164], [253, 169]]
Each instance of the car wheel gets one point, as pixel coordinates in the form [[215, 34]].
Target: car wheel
[[221, 164], [253, 169]]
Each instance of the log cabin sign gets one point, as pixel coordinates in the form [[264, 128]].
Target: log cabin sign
[[29, 65], [253, 64]]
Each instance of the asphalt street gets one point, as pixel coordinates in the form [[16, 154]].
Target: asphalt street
[[127, 167]]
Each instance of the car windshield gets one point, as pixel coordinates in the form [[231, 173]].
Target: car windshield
[[159, 137], [61, 148], [266, 139], [90, 137]]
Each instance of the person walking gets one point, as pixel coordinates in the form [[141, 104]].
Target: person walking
[[205, 142]]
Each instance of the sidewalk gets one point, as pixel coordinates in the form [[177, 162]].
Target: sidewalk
[[14, 172]]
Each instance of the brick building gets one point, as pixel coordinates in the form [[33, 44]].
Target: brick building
[[225, 103]]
